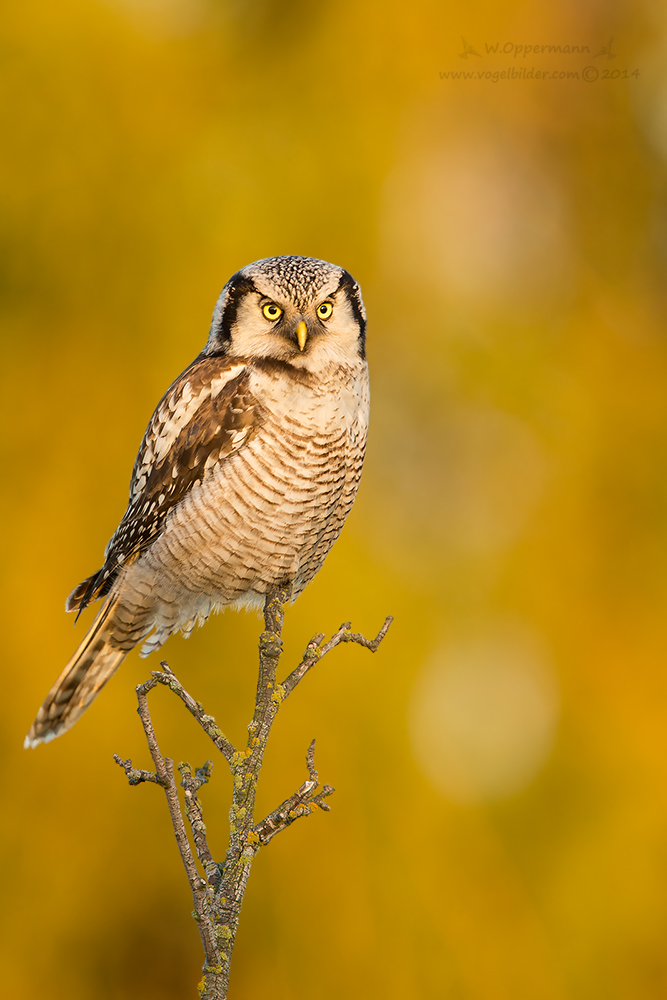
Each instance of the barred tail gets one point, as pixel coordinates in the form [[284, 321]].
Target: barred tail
[[96, 659]]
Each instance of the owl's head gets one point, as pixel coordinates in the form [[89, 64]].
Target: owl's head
[[295, 309]]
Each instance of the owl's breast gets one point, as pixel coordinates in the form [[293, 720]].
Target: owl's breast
[[271, 510], [336, 400]]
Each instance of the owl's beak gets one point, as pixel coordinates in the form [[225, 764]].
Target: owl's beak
[[302, 334]]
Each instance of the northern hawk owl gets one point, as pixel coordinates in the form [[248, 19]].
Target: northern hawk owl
[[247, 471]]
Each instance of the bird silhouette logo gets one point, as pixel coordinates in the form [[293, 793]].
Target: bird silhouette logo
[[467, 50], [606, 50]]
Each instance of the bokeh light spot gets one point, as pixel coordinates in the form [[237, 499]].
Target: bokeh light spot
[[484, 713]]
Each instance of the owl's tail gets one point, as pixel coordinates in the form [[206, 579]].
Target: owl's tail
[[97, 658]]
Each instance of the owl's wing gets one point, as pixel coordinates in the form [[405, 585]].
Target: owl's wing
[[207, 415]]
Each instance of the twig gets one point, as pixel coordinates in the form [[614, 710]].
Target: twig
[[164, 768], [314, 653], [191, 785], [135, 775], [207, 722], [296, 805]]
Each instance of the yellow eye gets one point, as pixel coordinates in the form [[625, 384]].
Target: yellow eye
[[325, 310], [272, 311]]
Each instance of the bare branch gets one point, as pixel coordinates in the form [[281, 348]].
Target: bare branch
[[207, 722], [371, 644], [218, 898], [274, 609], [310, 763], [164, 768], [314, 652], [135, 775], [191, 784], [247, 764], [297, 805]]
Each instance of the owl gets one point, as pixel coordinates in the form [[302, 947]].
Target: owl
[[245, 476]]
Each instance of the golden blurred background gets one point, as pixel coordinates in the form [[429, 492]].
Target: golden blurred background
[[499, 829]]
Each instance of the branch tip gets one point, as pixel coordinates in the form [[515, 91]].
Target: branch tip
[[135, 775], [310, 763], [315, 651]]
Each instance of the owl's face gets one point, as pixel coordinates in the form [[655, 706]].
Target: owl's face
[[295, 309]]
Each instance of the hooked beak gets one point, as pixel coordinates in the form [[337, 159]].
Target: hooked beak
[[302, 334]]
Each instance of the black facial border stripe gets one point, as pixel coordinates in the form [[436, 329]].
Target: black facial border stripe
[[352, 286], [237, 286]]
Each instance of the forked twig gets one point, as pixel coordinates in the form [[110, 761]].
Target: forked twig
[[297, 805], [314, 651]]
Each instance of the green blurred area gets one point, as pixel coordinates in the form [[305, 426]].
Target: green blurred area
[[510, 242]]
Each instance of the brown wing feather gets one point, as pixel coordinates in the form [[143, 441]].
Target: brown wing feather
[[205, 416], [79, 597]]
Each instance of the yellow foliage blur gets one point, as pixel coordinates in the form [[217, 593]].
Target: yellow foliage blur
[[499, 829]]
